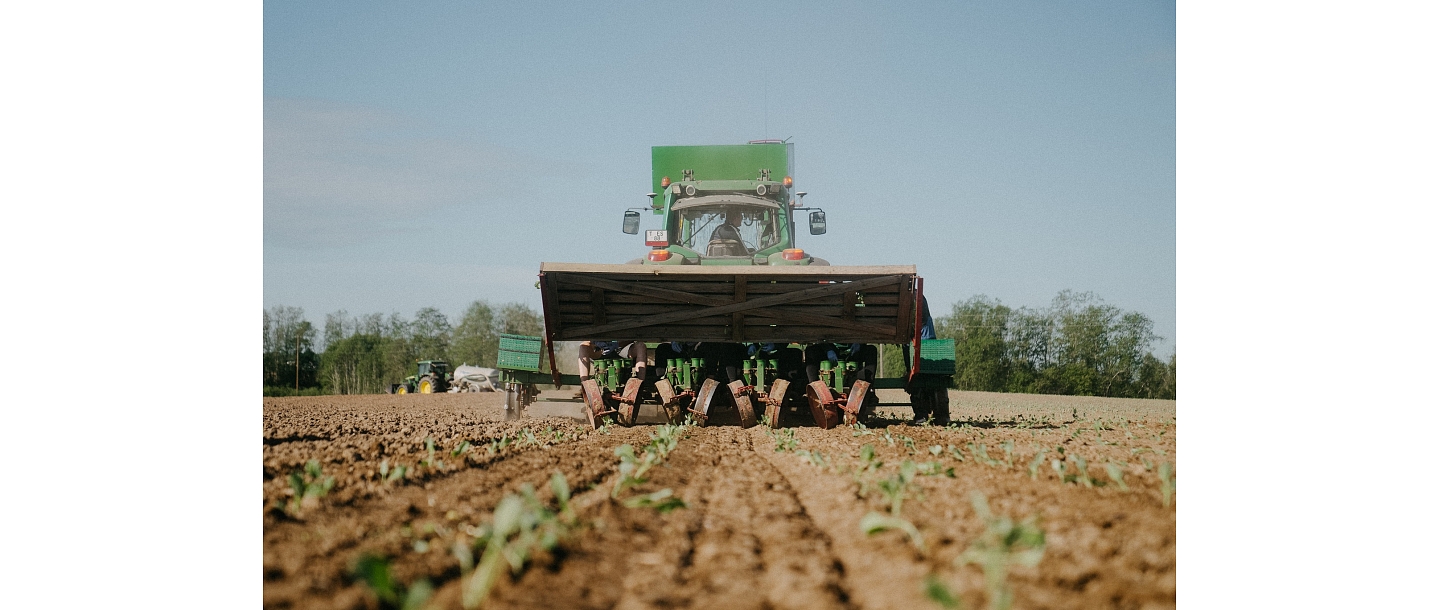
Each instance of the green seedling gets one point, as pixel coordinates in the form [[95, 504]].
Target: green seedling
[[860, 430], [785, 440], [308, 487], [1036, 462], [909, 443], [632, 468], [1083, 471], [1004, 544], [895, 489], [981, 455], [934, 469], [936, 450], [521, 527], [888, 438], [1059, 467], [529, 437], [955, 453], [873, 523], [936, 590], [499, 444], [1117, 475], [460, 449], [1167, 482], [429, 461], [815, 458], [375, 573], [1009, 447], [662, 501]]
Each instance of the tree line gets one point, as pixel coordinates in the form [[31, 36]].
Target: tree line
[[1079, 345], [364, 354]]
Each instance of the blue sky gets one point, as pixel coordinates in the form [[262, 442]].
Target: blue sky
[[431, 155]]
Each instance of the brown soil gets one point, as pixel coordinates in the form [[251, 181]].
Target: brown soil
[[762, 528]]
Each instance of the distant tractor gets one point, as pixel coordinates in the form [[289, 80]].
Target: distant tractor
[[431, 377]]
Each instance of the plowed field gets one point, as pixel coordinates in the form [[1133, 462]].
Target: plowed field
[[770, 519]]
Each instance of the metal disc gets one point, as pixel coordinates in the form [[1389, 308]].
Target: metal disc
[[777, 398], [629, 402], [594, 401], [818, 393], [703, 399], [742, 404]]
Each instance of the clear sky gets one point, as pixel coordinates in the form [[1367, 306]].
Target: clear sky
[[433, 154]]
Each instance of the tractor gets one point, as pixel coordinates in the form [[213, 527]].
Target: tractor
[[431, 377]]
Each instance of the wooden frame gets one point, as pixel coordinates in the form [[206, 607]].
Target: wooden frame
[[728, 303]]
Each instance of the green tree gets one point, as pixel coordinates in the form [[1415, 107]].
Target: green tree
[[289, 349], [518, 319], [355, 365], [978, 326], [473, 340]]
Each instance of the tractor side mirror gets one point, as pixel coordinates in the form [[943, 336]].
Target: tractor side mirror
[[632, 222], [817, 222]]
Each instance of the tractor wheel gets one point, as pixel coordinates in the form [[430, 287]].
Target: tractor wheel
[[427, 385], [401, 389]]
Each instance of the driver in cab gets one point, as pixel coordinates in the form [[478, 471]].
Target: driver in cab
[[729, 234]]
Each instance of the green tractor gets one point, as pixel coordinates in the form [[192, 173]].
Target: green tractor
[[431, 377]]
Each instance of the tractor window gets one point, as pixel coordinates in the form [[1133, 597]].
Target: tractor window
[[758, 229]]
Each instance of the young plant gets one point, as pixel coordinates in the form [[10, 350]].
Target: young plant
[[390, 475], [460, 449], [1117, 475], [873, 523], [632, 468], [1167, 482], [521, 527], [785, 440], [934, 469], [662, 501], [860, 430], [375, 573], [1004, 544], [815, 458], [308, 487], [896, 488], [1036, 462]]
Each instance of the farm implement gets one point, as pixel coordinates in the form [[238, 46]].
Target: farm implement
[[741, 322]]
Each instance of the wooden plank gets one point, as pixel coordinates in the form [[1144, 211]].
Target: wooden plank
[[597, 304], [737, 324], [847, 305], [830, 289], [905, 322]]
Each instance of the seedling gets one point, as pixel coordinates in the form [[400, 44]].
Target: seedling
[[499, 444], [874, 522], [520, 527], [895, 488], [1003, 544], [1036, 462], [1167, 482], [815, 458], [934, 469], [632, 468], [308, 487], [936, 590], [375, 573], [662, 501], [935, 450], [861, 430], [429, 461], [1117, 475], [785, 440], [463, 447], [955, 453]]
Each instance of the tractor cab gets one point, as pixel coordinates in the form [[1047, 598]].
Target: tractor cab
[[438, 367]]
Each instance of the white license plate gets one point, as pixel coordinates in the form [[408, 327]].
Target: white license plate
[[659, 237]]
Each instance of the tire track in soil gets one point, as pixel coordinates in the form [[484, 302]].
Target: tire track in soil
[[877, 575], [744, 541], [307, 563]]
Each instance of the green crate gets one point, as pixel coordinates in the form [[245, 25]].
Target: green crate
[[519, 353], [521, 343], [937, 356]]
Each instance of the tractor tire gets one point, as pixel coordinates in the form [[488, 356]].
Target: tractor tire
[[427, 385], [402, 389]]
